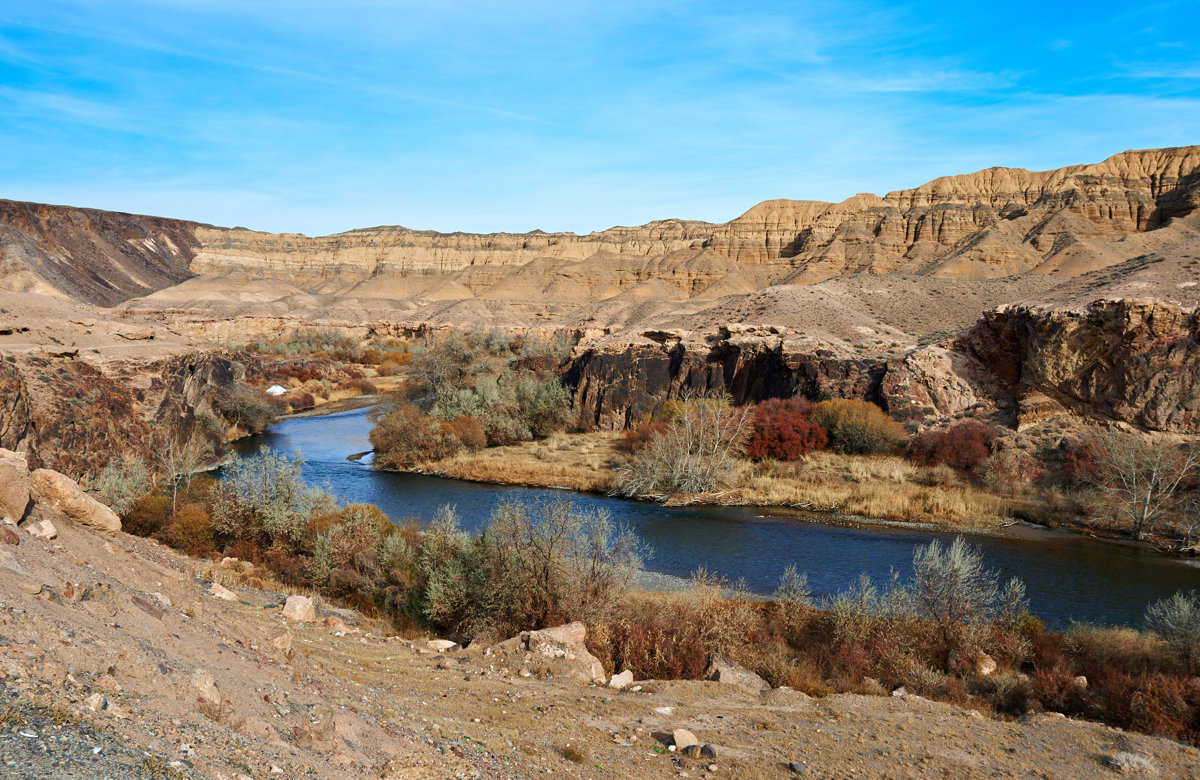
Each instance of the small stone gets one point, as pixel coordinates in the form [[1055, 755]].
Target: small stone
[[683, 738], [161, 599], [106, 682], [1132, 764], [1081, 682], [709, 752], [336, 623], [622, 680], [41, 529], [9, 536], [442, 645], [204, 684], [283, 642], [32, 588], [96, 702], [9, 562], [798, 768], [899, 691], [299, 609], [219, 591]]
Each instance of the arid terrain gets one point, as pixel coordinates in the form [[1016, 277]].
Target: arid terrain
[[1040, 302], [119, 661]]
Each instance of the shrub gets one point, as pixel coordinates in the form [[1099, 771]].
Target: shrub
[[1009, 468], [963, 447], [402, 436], [264, 499], [782, 430], [858, 427], [245, 406], [957, 594], [1177, 621], [639, 438], [147, 514], [123, 481], [190, 531], [469, 431], [697, 454]]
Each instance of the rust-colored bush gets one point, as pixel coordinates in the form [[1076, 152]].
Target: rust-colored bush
[[639, 438], [364, 386], [470, 432], [963, 447], [148, 514], [403, 436], [189, 530], [782, 430]]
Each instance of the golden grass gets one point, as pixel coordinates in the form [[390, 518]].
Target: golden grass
[[886, 487]]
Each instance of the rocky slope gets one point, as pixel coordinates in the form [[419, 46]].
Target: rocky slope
[[99, 257], [119, 657]]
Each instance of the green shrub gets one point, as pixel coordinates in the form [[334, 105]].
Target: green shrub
[[264, 499], [1177, 620], [858, 427], [123, 481]]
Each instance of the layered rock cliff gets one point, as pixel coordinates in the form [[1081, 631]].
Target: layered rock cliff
[[99, 257]]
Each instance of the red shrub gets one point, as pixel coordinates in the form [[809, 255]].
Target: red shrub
[[1079, 461], [963, 447], [782, 431], [639, 438]]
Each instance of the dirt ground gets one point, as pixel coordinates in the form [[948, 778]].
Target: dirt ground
[[108, 644]]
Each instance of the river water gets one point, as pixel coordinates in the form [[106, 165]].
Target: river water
[[1068, 577]]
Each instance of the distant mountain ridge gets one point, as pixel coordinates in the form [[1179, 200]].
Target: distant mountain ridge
[[993, 223]]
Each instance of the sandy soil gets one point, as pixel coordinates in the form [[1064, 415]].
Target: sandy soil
[[125, 624]]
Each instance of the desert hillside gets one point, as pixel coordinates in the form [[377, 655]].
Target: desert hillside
[[121, 657]]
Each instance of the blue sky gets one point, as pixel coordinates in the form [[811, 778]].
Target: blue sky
[[318, 117]]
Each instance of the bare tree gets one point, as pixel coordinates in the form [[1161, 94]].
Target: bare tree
[[697, 454], [1143, 476], [179, 456]]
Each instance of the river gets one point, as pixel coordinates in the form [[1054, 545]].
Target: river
[[1069, 578]]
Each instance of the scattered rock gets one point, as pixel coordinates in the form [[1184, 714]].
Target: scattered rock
[[9, 562], [725, 671], [1132, 764], [219, 591], [300, 609], [62, 494], [40, 528], [622, 680], [442, 645], [1081, 682], [206, 686], [9, 536], [683, 739], [107, 682], [798, 768], [14, 484], [147, 607], [283, 642], [335, 623], [96, 702]]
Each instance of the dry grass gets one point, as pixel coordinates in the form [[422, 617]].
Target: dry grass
[[886, 487], [580, 462]]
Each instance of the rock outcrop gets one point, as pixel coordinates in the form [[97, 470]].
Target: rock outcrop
[[62, 495], [101, 257], [14, 484]]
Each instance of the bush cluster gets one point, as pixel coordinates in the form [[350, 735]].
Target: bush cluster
[[858, 427], [963, 447], [782, 430]]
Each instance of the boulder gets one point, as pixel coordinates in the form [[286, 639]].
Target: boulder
[[723, 670], [60, 493], [567, 642], [219, 591], [14, 484], [299, 609], [621, 681], [684, 739], [442, 645], [205, 686], [569, 634]]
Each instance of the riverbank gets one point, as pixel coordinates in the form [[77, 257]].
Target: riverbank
[[871, 490]]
